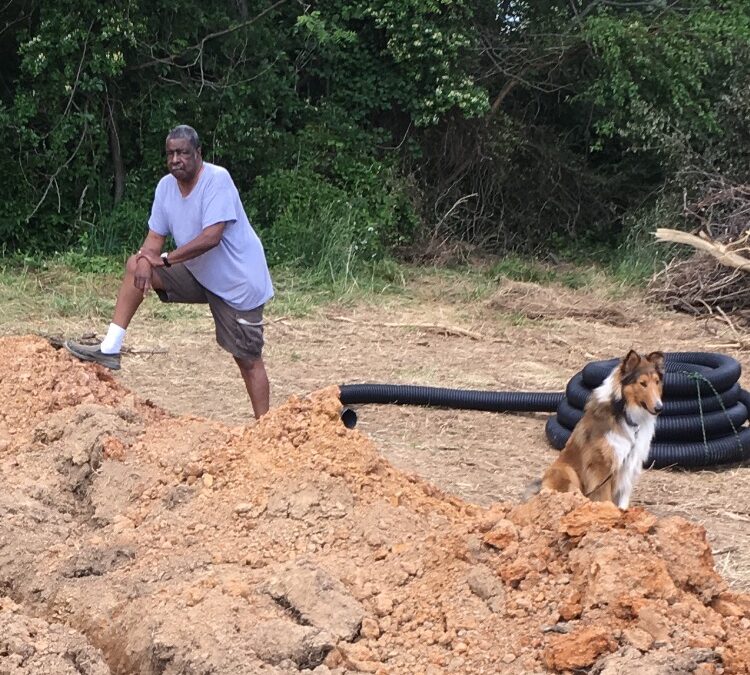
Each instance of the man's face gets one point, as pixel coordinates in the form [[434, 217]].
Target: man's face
[[183, 161]]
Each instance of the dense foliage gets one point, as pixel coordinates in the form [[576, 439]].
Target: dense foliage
[[357, 129]]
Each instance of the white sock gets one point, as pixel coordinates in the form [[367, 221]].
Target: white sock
[[112, 343]]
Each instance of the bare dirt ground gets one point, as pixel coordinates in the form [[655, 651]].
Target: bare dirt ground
[[177, 536], [525, 338]]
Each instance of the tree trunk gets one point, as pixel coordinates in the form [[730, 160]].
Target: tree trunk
[[115, 151], [242, 9]]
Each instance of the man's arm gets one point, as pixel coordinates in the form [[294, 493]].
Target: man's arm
[[152, 244], [205, 241], [149, 251]]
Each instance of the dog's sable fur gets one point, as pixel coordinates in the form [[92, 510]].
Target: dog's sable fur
[[606, 451]]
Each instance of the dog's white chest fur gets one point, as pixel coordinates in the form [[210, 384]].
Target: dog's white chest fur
[[630, 441], [631, 446]]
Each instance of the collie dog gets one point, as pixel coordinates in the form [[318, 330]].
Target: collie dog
[[605, 453]]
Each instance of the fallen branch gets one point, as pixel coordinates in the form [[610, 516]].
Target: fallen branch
[[740, 341], [719, 251], [735, 516], [721, 346], [59, 342], [128, 350], [438, 328]]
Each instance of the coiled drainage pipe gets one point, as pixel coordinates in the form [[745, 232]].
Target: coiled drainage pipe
[[703, 422]]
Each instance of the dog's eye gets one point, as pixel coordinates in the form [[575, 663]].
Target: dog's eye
[[644, 385]]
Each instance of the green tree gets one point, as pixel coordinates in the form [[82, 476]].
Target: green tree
[[384, 124]]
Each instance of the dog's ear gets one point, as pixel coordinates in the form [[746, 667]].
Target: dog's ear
[[630, 362], [657, 358]]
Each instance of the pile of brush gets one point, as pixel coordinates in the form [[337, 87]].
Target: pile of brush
[[715, 279]]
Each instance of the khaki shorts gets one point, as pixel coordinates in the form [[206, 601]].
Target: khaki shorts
[[239, 332]]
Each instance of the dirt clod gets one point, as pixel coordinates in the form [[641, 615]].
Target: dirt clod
[[31, 646], [578, 649], [315, 598]]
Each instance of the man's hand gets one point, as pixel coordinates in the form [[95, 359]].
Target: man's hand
[[143, 272], [153, 258]]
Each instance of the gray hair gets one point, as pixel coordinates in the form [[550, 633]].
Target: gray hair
[[184, 131]]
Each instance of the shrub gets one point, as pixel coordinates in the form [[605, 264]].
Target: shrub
[[338, 207]]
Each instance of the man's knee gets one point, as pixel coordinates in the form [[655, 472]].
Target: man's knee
[[156, 281], [130, 265], [250, 366]]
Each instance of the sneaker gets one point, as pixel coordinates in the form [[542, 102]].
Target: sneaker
[[93, 353]]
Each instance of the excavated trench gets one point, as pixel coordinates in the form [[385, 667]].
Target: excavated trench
[[138, 542]]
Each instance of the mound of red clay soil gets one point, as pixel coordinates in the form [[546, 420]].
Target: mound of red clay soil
[[138, 542]]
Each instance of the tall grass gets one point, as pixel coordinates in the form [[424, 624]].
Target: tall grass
[[32, 290], [640, 255], [80, 287], [38, 292], [47, 294], [527, 269]]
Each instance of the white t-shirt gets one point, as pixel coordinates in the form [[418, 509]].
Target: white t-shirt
[[236, 269]]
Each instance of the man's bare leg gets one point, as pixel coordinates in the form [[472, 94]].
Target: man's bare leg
[[129, 298], [256, 383]]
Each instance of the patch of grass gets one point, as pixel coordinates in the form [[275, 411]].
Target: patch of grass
[[638, 255], [80, 304], [73, 287], [570, 275], [299, 292], [96, 264], [464, 284], [635, 262], [153, 308], [34, 290], [520, 269], [47, 294], [518, 319]]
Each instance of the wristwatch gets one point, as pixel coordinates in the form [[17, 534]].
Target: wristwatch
[[165, 259]]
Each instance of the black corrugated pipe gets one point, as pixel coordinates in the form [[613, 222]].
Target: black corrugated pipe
[[464, 399], [701, 425], [577, 394], [676, 427], [725, 450], [685, 373], [704, 410]]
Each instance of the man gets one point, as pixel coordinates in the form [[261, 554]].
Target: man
[[218, 260]]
